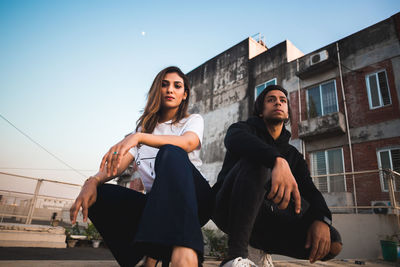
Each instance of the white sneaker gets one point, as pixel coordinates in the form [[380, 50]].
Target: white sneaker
[[266, 261], [239, 262]]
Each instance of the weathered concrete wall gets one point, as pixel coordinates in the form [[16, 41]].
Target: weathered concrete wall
[[378, 131], [219, 94], [361, 235], [223, 89], [328, 125], [370, 50], [216, 124]]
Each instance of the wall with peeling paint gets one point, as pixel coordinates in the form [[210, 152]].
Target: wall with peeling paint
[[223, 92]]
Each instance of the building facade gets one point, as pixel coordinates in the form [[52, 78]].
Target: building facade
[[345, 107]]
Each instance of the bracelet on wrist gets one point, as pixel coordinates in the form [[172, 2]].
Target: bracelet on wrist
[[95, 177]]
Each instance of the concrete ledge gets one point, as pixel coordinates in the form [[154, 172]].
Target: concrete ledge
[[23, 235], [324, 126]]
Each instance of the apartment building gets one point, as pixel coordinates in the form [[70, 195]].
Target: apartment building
[[345, 107]]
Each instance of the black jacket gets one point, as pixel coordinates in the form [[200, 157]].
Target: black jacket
[[251, 139]]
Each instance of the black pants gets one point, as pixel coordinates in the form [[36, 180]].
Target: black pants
[[133, 224], [240, 212]]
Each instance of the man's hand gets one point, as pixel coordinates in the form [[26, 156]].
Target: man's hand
[[284, 185], [319, 239], [85, 199]]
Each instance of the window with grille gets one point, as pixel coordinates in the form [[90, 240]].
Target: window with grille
[[378, 89], [261, 87], [322, 99], [328, 162], [389, 159]]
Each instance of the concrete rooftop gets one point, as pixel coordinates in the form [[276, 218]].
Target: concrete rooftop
[[88, 257]]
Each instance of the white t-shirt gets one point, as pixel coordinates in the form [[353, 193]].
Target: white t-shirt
[[145, 155]]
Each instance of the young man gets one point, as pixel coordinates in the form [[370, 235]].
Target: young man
[[261, 170]]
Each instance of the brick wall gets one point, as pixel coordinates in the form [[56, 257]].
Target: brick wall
[[357, 98], [358, 109]]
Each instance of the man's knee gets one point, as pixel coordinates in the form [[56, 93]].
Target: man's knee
[[253, 172], [336, 244], [336, 248]]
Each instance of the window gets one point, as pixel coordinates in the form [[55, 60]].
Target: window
[[322, 99], [261, 87], [328, 162], [389, 159], [378, 89]]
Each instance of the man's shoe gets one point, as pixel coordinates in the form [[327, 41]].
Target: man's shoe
[[266, 261], [239, 262]]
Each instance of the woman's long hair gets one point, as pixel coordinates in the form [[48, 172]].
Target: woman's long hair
[[152, 111]]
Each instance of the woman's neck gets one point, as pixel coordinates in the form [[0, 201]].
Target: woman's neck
[[167, 114]]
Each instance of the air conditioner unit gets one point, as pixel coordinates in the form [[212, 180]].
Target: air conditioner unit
[[318, 57], [379, 207]]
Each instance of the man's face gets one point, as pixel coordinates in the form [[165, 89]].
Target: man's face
[[275, 107]]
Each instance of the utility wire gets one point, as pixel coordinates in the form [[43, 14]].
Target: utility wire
[[39, 145]]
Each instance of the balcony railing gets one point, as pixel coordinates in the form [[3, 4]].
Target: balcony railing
[[323, 126]]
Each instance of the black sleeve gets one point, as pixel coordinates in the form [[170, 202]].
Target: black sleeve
[[318, 206], [242, 142]]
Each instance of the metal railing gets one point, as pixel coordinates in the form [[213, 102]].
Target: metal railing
[[370, 191], [30, 200]]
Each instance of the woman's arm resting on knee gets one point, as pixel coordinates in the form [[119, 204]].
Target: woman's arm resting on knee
[[88, 193], [189, 141]]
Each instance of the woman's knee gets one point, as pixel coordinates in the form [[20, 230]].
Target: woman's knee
[[103, 192], [171, 155], [171, 149]]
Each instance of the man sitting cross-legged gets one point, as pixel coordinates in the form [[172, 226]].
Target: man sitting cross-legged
[[261, 171]]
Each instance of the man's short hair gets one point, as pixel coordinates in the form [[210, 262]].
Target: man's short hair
[[259, 104]]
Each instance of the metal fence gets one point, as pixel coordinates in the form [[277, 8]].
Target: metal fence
[[370, 191], [32, 200]]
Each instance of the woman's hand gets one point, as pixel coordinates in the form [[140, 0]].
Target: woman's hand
[[85, 199], [112, 159]]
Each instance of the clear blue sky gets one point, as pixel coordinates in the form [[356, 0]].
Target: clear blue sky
[[74, 74]]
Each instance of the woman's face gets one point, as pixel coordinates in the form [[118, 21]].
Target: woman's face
[[172, 91]]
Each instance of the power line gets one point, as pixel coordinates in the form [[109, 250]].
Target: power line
[[39, 145]]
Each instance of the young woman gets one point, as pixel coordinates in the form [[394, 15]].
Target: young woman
[[165, 223]]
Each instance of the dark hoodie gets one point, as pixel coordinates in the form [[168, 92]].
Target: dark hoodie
[[250, 139]]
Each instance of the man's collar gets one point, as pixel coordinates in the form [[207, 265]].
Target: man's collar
[[259, 124]]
